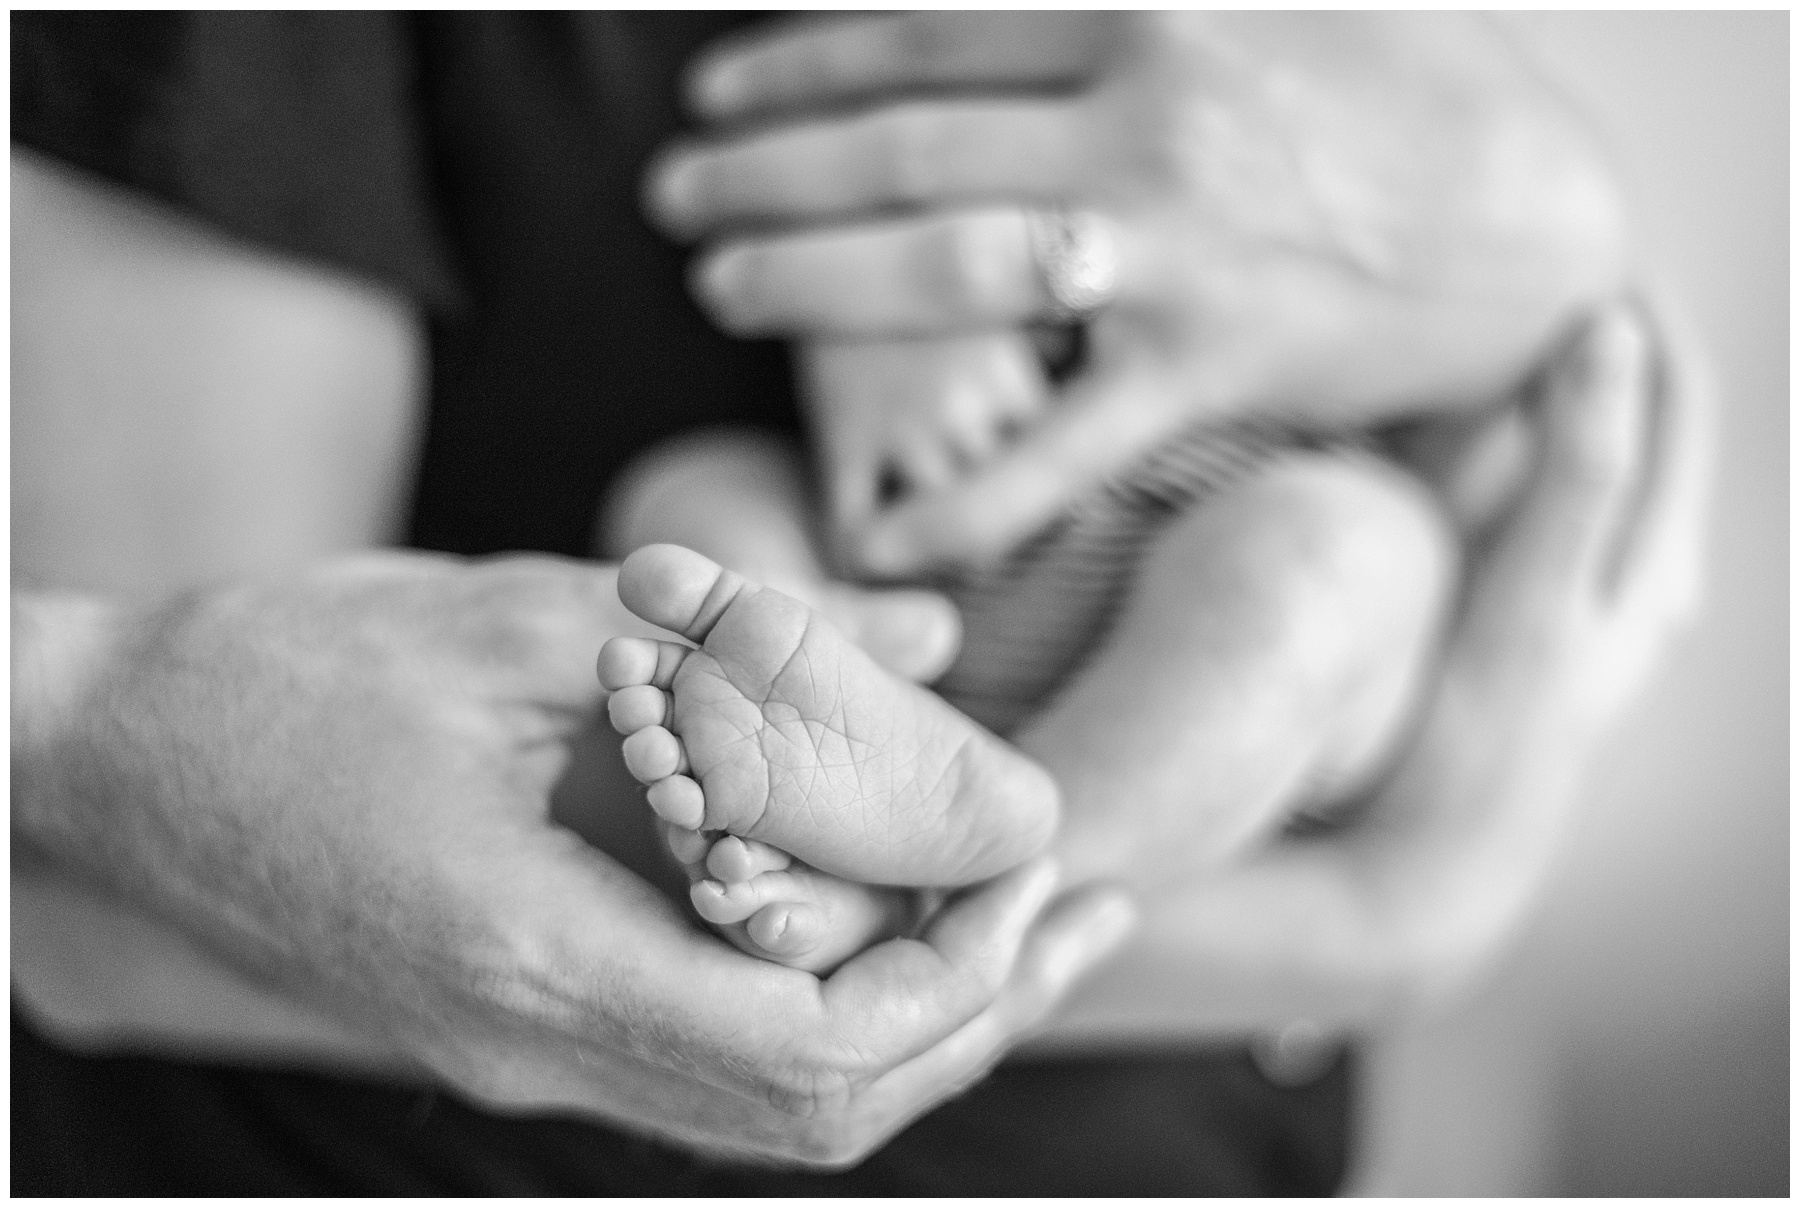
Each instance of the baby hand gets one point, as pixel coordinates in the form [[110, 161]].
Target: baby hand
[[899, 421]]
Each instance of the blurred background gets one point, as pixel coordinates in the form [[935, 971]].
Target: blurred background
[[1637, 1041]]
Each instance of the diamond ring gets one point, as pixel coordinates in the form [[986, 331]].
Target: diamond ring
[[1076, 260]]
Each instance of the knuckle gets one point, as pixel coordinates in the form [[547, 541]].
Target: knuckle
[[816, 1090], [819, 1078]]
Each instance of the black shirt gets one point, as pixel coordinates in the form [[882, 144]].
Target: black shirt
[[487, 164]]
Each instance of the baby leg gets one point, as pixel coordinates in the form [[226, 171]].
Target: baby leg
[[1264, 659]]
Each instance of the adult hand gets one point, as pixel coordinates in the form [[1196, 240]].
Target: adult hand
[[1364, 212], [1575, 592], [340, 784]]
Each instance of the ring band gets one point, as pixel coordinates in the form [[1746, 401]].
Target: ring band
[[1076, 260]]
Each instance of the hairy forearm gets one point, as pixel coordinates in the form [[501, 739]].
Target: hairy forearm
[[89, 967]]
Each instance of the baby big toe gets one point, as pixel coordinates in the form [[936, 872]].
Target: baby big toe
[[678, 589]]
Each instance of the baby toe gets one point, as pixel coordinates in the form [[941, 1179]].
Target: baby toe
[[679, 801], [735, 859], [787, 929], [722, 903], [633, 662], [626, 662], [653, 753], [637, 707], [685, 845]]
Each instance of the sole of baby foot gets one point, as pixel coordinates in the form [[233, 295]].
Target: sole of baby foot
[[794, 736]]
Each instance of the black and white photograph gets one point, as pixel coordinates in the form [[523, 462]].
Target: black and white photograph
[[1020, 603]]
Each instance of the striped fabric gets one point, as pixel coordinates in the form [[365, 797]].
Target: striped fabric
[[1030, 624]]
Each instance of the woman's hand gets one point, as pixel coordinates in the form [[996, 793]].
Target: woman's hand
[[1363, 212], [340, 785], [1575, 593]]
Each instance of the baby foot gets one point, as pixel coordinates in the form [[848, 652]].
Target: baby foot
[[778, 728], [775, 907]]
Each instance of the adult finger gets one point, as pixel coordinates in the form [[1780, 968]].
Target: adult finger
[[1550, 560], [823, 63], [814, 1048], [899, 998], [1105, 421], [910, 154], [1659, 562], [969, 391], [1073, 936], [937, 273]]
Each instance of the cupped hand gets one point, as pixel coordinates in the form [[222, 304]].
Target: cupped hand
[[1316, 216], [340, 785]]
